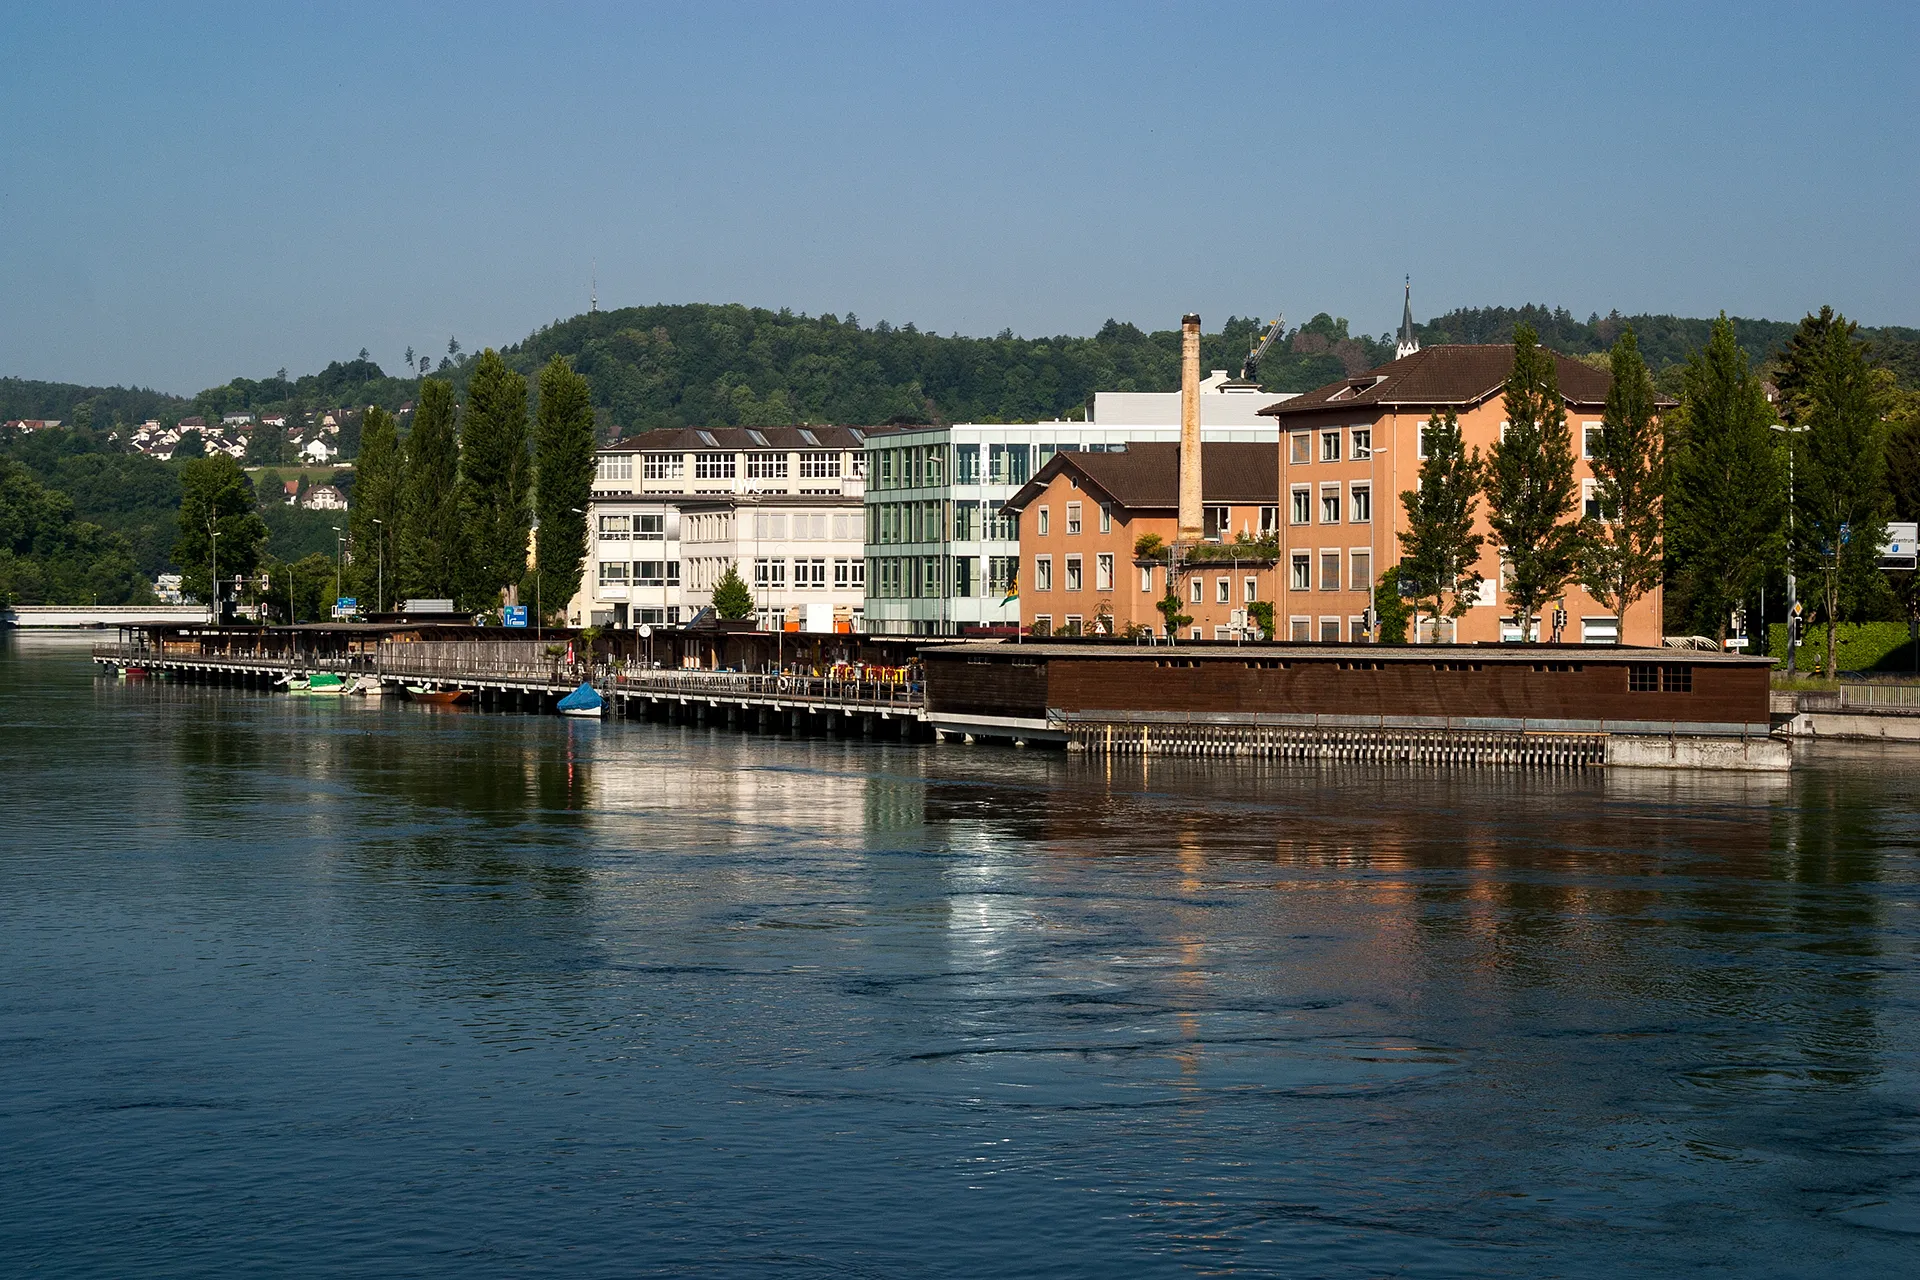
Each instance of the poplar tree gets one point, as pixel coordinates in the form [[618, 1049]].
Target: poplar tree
[[375, 518], [564, 461], [496, 479], [1621, 558], [1726, 505], [430, 534], [1439, 551], [1839, 494], [1530, 487]]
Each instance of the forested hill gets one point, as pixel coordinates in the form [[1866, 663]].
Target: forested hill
[[701, 365]]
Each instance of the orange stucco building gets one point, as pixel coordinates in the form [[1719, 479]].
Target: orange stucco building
[[1350, 448], [1083, 515]]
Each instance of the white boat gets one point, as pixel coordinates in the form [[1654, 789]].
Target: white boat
[[584, 702]]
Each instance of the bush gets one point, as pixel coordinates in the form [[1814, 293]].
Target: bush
[[1859, 646]]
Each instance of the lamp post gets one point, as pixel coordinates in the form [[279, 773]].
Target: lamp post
[[213, 555], [1793, 598], [339, 542]]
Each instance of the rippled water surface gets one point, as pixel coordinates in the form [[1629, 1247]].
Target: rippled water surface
[[312, 986]]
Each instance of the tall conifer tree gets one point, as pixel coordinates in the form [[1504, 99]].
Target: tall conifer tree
[[1840, 474], [1439, 551], [431, 551], [496, 481], [1621, 560], [564, 461], [1726, 507], [1530, 487], [374, 521]]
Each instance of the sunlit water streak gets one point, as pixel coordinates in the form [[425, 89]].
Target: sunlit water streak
[[331, 986]]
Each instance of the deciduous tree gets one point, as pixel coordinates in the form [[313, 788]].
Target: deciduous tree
[[1439, 551], [216, 507], [1621, 558], [1531, 493], [1726, 505], [564, 460]]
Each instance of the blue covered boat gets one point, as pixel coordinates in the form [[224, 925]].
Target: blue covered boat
[[584, 701]]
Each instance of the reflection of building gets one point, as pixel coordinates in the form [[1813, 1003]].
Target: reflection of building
[[672, 510], [1084, 568], [941, 556]]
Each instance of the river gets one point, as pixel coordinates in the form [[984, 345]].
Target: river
[[355, 987]]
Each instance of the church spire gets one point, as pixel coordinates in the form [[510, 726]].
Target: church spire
[[1408, 344]]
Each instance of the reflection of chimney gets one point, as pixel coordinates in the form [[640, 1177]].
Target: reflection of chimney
[[1191, 529]]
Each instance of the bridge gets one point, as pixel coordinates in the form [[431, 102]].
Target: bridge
[[36, 617]]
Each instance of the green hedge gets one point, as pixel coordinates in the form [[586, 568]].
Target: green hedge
[[1862, 646]]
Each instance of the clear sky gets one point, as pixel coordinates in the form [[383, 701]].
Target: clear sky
[[192, 192]]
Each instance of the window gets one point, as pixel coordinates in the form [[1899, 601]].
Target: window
[[849, 573], [713, 466], [1003, 527], [1420, 443], [766, 466], [1362, 443], [650, 528], [1043, 523], [768, 526], [1360, 504], [1302, 572], [1330, 505], [615, 466], [820, 466], [613, 573], [1070, 625], [1300, 630], [1589, 438], [1216, 523], [1007, 463], [1599, 631], [886, 469], [1042, 624], [933, 466], [1269, 521], [1252, 590], [656, 573], [1223, 591], [1329, 446], [1329, 570], [1000, 574], [963, 576], [1043, 573], [1106, 518], [1676, 679], [769, 573], [1146, 577], [966, 521], [1359, 570], [810, 574], [616, 528], [663, 466], [1073, 573], [844, 526], [966, 464], [1073, 517], [1329, 631], [1103, 571], [1194, 589], [1301, 510], [1590, 498], [1299, 448]]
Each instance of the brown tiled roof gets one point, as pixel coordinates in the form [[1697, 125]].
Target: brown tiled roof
[[1147, 476], [737, 439], [1456, 374]]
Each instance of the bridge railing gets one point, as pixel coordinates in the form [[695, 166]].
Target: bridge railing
[[774, 688]]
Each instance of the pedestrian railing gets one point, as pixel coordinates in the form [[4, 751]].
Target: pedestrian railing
[[740, 685]]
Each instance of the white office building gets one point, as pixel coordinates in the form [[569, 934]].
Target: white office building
[[671, 510]]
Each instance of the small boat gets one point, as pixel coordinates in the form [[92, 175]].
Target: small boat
[[294, 683], [325, 682], [583, 701], [370, 687], [438, 697]]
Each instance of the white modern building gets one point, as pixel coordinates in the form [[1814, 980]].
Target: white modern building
[[671, 510], [941, 559]]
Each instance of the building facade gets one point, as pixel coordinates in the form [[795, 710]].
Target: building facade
[[672, 510], [1350, 448], [1098, 534], [942, 553]]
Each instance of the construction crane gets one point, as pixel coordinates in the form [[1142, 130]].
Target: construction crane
[[1250, 371]]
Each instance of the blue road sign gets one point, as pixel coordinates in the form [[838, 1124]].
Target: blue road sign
[[514, 615]]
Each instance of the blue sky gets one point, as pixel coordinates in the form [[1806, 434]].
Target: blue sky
[[192, 192]]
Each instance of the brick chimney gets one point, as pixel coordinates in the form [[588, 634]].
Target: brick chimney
[[1192, 528]]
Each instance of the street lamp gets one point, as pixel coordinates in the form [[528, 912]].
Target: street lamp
[[1793, 598], [380, 559], [339, 542], [213, 555]]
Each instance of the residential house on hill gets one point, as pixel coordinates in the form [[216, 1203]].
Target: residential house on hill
[[324, 497]]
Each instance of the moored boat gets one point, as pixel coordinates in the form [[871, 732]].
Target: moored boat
[[438, 697], [325, 682], [294, 683], [584, 701]]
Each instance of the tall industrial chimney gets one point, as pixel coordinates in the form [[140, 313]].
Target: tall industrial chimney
[[1192, 527]]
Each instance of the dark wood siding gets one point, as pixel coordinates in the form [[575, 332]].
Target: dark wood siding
[[986, 686]]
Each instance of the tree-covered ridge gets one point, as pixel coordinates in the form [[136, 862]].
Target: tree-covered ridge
[[48, 556], [1666, 342]]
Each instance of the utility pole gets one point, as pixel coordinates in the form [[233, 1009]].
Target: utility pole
[[339, 543]]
